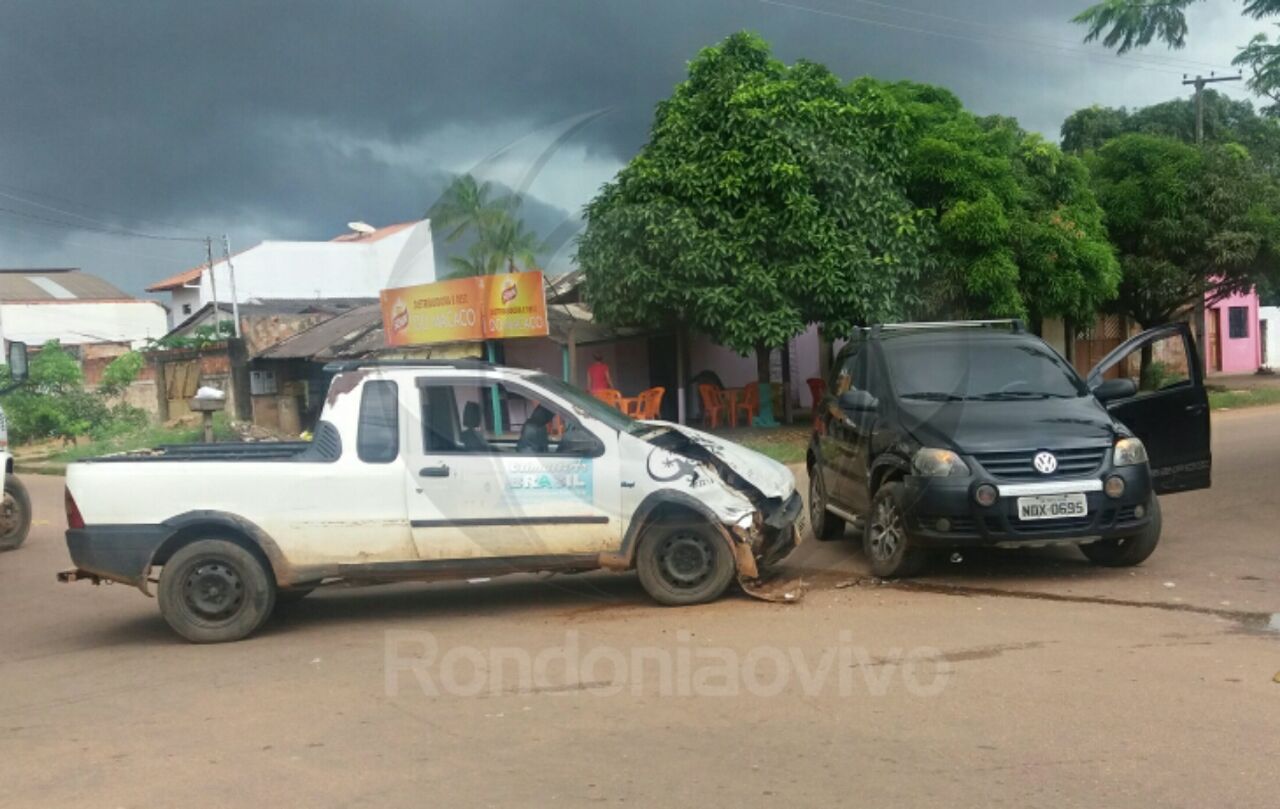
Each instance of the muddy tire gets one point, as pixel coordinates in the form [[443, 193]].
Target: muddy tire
[[683, 563], [15, 520], [1129, 551], [884, 537], [214, 591], [826, 526]]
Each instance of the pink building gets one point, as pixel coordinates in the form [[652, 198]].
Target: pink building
[[1233, 341]]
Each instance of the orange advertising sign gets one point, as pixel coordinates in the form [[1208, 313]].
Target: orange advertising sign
[[481, 307]]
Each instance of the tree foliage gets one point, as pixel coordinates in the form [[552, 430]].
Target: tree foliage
[[768, 197], [1020, 232], [1187, 222], [1128, 24], [499, 238], [1226, 120]]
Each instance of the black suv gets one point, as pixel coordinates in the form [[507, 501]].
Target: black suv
[[947, 435]]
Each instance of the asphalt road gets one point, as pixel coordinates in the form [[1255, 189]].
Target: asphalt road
[[1014, 679]]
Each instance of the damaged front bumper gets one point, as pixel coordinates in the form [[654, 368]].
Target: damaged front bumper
[[760, 546]]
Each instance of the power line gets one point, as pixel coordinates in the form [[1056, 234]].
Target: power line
[[1156, 59], [99, 222], [48, 221], [951, 35], [78, 204], [13, 226]]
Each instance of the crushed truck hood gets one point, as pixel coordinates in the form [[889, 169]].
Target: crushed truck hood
[[771, 478]]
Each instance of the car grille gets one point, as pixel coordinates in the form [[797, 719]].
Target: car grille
[[1018, 464]]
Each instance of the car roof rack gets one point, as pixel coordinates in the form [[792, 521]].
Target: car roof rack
[[339, 366], [1015, 325]]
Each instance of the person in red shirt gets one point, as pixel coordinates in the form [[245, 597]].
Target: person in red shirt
[[598, 376]]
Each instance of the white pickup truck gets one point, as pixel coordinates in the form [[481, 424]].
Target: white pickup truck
[[429, 471]]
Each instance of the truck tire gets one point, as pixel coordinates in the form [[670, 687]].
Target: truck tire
[[214, 591], [884, 536], [826, 526], [683, 563], [15, 522], [1128, 551]]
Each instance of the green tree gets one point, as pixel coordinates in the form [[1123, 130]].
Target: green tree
[[1020, 232], [1188, 223], [499, 237], [767, 198], [54, 402], [120, 373], [1128, 24]]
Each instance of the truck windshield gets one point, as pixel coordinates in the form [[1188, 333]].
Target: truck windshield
[[587, 403], [975, 370]]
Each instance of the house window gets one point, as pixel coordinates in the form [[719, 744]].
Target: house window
[[186, 308], [1238, 322]]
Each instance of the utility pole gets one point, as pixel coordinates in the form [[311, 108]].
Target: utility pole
[[1200, 82], [213, 283], [231, 270], [1198, 314]]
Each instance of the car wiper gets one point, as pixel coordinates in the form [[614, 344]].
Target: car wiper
[[935, 396], [1021, 394]]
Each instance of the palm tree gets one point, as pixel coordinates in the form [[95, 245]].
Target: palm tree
[[501, 237]]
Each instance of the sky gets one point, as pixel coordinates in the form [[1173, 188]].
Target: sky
[[131, 130]]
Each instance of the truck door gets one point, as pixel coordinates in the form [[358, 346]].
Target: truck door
[[1169, 410], [483, 486]]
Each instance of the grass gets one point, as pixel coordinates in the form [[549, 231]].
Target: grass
[[783, 444], [1252, 397], [145, 438]]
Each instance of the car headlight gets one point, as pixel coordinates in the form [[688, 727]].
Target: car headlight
[[1129, 452], [938, 463]]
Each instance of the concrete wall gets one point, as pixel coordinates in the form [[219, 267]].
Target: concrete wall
[[735, 370], [81, 322], [1241, 355], [1271, 349]]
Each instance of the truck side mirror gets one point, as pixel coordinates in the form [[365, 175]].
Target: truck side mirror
[[1112, 389], [18, 361], [858, 400]]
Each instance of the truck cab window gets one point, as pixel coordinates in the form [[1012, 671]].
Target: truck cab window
[[378, 437]]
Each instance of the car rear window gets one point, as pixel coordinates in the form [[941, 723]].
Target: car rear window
[[378, 437]]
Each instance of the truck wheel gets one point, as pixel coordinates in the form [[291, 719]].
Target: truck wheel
[[1128, 551], [884, 537], [684, 563], [15, 514], [826, 526], [213, 591]]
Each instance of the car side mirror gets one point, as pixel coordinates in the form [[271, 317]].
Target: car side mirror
[[858, 401], [1113, 389], [18, 369]]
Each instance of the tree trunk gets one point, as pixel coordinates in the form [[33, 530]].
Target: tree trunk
[[825, 356], [786, 383], [765, 417]]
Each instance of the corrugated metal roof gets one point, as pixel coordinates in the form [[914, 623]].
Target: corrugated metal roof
[[336, 337], [56, 286]]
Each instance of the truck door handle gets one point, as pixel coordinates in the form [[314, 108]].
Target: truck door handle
[[441, 471], [1196, 408]]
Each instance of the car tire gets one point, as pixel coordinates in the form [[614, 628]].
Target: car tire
[[1128, 551], [215, 591], [17, 514], [826, 526], [682, 563], [889, 550]]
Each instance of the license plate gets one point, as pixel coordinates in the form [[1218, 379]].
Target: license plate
[[1052, 506]]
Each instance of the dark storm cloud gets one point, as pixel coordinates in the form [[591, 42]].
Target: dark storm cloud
[[288, 119]]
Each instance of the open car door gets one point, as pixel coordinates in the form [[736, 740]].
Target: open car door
[[1169, 410]]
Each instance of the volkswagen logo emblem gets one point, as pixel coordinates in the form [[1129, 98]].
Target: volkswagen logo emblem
[[1045, 463]]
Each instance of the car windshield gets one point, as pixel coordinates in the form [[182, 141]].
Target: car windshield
[[585, 402], [980, 370]]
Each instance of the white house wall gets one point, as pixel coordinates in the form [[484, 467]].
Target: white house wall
[[79, 322], [275, 270], [1270, 315]]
